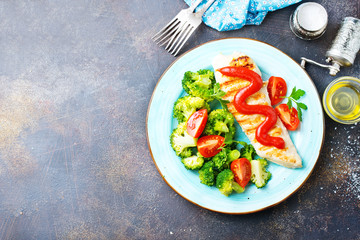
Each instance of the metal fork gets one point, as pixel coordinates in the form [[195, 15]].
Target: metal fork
[[180, 28]]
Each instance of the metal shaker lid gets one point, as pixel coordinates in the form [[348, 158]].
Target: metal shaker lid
[[309, 21], [312, 16]]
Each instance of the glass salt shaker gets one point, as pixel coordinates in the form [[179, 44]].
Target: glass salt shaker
[[309, 21]]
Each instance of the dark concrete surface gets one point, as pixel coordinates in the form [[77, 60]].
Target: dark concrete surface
[[76, 78]]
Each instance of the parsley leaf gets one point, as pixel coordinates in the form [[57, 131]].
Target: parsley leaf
[[302, 105], [299, 113], [223, 103], [229, 140], [298, 94], [295, 95], [217, 95], [289, 103]]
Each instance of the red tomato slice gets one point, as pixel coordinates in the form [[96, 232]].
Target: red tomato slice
[[276, 88], [288, 117], [209, 146], [196, 123], [242, 171]]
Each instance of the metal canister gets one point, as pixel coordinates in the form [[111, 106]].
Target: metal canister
[[309, 21], [344, 47]]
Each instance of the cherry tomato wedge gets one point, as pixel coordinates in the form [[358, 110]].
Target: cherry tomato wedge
[[196, 123], [242, 171], [288, 117], [209, 146], [276, 88]]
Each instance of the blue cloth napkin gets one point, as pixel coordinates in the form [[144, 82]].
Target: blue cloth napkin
[[226, 15]]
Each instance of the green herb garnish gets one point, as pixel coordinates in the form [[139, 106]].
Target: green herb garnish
[[294, 97], [218, 94]]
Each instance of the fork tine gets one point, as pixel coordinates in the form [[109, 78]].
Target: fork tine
[[171, 31], [178, 36], [180, 28], [183, 34], [185, 40], [167, 25], [165, 31], [174, 36], [191, 9], [182, 41]]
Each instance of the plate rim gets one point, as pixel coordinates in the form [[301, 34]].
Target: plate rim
[[259, 209]]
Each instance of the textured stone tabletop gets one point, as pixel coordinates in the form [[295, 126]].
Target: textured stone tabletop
[[76, 79]]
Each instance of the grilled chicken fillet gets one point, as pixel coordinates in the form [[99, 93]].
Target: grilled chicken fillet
[[287, 157]]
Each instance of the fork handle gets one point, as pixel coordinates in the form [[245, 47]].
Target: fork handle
[[194, 5], [207, 5]]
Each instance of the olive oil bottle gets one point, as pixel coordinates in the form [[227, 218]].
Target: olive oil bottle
[[342, 100]]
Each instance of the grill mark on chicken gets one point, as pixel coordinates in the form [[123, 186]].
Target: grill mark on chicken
[[242, 61]]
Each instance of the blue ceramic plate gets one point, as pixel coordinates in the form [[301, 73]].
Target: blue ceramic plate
[[308, 138]]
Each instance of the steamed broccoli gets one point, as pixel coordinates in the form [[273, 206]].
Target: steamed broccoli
[[220, 159], [181, 141], [248, 151], [259, 175], [200, 80], [202, 84], [220, 122], [207, 174], [224, 158], [194, 162], [224, 182], [185, 106], [199, 84]]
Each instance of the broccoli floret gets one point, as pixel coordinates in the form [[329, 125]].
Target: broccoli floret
[[224, 158], [203, 78], [185, 106], [181, 141], [207, 174], [220, 122], [224, 182], [202, 84], [199, 83], [259, 175], [194, 162], [248, 152], [220, 159]]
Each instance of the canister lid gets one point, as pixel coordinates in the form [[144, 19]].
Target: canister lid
[[312, 16]]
